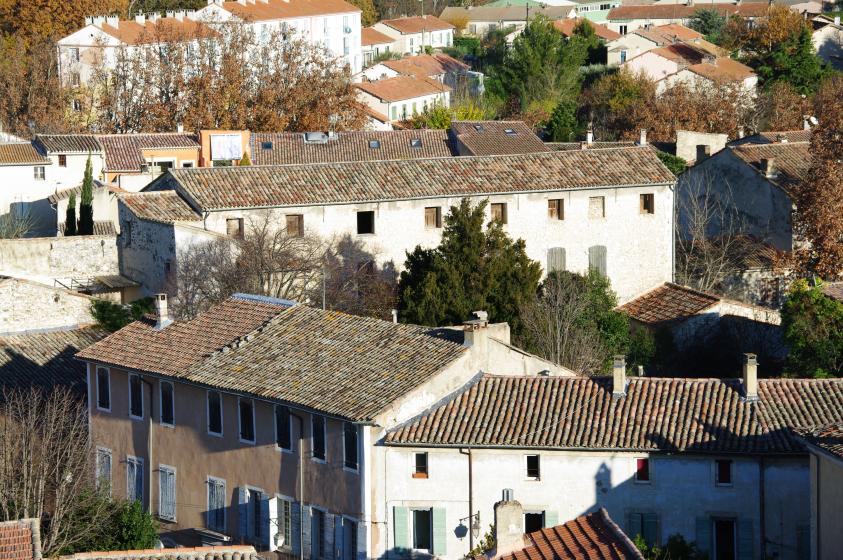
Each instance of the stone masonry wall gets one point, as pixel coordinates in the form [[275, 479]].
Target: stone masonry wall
[[28, 306], [60, 257]]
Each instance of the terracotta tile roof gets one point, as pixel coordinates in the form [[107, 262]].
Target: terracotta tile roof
[[284, 9], [291, 148], [566, 27], [233, 552], [124, 152], [668, 33], [668, 302], [401, 88], [69, 143], [101, 227], [329, 361], [21, 153], [792, 160], [20, 540], [657, 414], [131, 32], [488, 138], [65, 193], [682, 11], [417, 24], [833, 290], [338, 183], [722, 70], [789, 135], [568, 146], [45, 359], [163, 207], [593, 536], [429, 65], [504, 13], [829, 438], [370, 36]]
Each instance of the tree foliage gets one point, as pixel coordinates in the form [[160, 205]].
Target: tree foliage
[[369, 13], [124, 526], [114, 316], [812, 324], [86, 201], [70, 215], [710, 23], [473, 268], [676, 164], [440, 117], [676, 548]]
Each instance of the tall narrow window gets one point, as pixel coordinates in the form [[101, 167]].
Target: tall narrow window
[[318, 436], [103, 389], [642, 470], [214, 413], [725, 539], [135, 396], [255, 515], [420, 470], [216, 505], [499, 212], [134, 479], [282, 427], [247, 420], [533, 467], [645, 525], [168, 405], [350, 445], [556, 209], [285, 522], [167, 493], [104, 469], [422, 529], [295, 225], [317, 534], [349, 539]]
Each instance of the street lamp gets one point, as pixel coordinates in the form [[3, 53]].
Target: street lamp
[[475, 526]]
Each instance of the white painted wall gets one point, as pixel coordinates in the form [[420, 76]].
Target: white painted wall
[[406, 108], [631, 43], [414, 43]]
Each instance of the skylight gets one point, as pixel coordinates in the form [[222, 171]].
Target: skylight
[[375, 144], [510, 132], [266, 145], [416, 143]]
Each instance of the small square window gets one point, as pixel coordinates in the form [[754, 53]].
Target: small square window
[[366, 222], [375, 144], [266, 145], [499, 212], [723, 473], [642, 470], [415, 143], [433, 217], [648, 202], [533, 467], [62, 160], [510, 132], [234, 227], [295, 225], [597, 207], [533, 521], [420, 468], [556, 209], [38, 172]]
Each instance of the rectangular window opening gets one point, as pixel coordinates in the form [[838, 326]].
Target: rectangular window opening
[[246, 409], [167, 493], [214, 413], [597, 207], [499, 212], [318, 436], [422, 529], [556, 209], [103, 389], [350, 445], [216, 505], [135, 397], [234, 227], [420, 469], [134, 479], [168, 405], [533, 467], [533, 521], [723, 475], [283, 438], [366, 222], [648, 203], [295, 225], [38, 172], [433, 217], [642, 470]]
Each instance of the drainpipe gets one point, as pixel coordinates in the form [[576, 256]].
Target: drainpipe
[[149, 442], [470, 498], [301, 483], [762, 508]]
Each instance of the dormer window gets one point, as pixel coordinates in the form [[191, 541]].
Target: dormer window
[[375, 144], [510, 132], [478, 127]]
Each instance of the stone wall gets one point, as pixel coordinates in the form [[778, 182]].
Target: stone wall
[[28, 306], [60, 258]]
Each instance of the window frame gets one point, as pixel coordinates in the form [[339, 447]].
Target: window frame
[[321, 514], [39, 173], [299, 219], [251, 402], [108, 381], [240, 233], [649, 471], [62, 160], [255, 514], [417, 473], [559, 210], [602, 200], [437, 217], [358, 215], [285, 520], [527, 475], [143, 404], [645, 208], [161, 421], [138, 463], [345, 431], [504, 212], [313, 456], [97, 467], [172, 470], [208, 414], [731, 465], [289, 427], [412, 516], [216, 480]]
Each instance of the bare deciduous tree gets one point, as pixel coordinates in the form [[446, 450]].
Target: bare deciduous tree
[[16, 224], [47, 466], [356, 284]]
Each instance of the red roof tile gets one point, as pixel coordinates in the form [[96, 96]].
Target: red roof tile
[[182, 553], [492, 138], [21, 153], [792, 160], [163, 207], [131, 32], [829, 438], [401, 88], [284, 9], [566, 27], [429, 65], [682, 11], [124, 152], [370, 36], [669, 302], [417, 24]]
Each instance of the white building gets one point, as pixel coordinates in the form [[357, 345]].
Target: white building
[[647, 38], [629, 17], [373, 44], [402, 97], [445, 69], [411, 35], [828, 39], [483, 19]]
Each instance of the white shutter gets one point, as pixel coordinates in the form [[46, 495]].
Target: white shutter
[[273, 507]]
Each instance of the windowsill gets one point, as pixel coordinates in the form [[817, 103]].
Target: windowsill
[[247, 441], [724, 484], [133, 417], [350, 470], [167, 424], [420, 475], [103, 409], [283, 450], [215, 434], [644, 482], [366, 234], [533, 479], [166, 519], [318, 460]]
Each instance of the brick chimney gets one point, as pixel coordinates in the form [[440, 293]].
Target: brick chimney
[[768, 167], [619, 377], [509, 524], [161, 313], [750, 377]]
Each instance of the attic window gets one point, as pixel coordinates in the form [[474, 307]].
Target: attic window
[[375, 144], [478, 127], [510, 132], [266, 145], [415, 143]]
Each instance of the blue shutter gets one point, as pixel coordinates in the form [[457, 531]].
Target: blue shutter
[[551, 518], [242, 512], [746, 540], [265, 523], [651, 528], [338, 537], [635, 525], [401, 523], [295, 527], [704, 534], [440, 532]]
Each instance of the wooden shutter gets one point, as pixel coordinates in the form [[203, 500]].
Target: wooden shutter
[[131, 469], [242, 511], [273, 505], [746, 539], [555, 259], [704, 534], [597, 259], [440, 532], [636, 525], [266, 526], [651, 528], [338, 537], [295, 528], [138, 489], [551, 518], [167, 494], [401, 523]]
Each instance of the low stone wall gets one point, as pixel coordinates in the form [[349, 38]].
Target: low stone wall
[[30, 306], [81, 256]]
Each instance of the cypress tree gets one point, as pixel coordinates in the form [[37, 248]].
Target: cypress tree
[[86, 206], [70, 215]]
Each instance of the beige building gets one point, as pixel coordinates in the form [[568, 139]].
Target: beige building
[[410, 35], [826, 447]]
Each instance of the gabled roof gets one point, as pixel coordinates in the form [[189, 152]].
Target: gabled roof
[[683, 11], [792, 160], [402, 88], [291, 147], [668, 33], [339, 183], [340, 364], [21, 153], [370, 36], [567, 26], [722, 70], [668, 302], [657, 414], [828, 438], [124, 152], [770, 137], [165, 207], [427, 65], [130, 32], [417, 24], [241, 552], [68, 143], [488, 138], [259, 10], [593, 536]]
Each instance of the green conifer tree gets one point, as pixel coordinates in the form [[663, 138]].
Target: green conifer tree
[[86, 204], [70, 215]]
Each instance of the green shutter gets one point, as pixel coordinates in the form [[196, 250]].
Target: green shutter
[[400, 525], [636, 525], [651, 528], [704, 534], [746, 539], [551, 518], [440, 532]]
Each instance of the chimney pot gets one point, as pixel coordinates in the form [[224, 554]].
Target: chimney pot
[[140, 19], [161, 312], [750, 377], [589, 137], [806, 123], [836, 20], [642, 140], [619, 376], [395, 316]]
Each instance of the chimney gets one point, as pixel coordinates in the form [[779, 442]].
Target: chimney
[[781, 138], [740, 132], [619, 377], [589, 136], [395, 316], [140, 19], [476, 332], [113, 21], [768, 167], [170, 14], [179, 15], [153, 17], [509, 524], [750, 377], [836, 20], [161, 313], [806, 123], [642, 140], [180, 128]]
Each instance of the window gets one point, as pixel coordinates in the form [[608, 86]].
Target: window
[[256, 520], [266, 145], [62, 160], [623, 57], [285, 522], [104, 469], [420, 470], [404, 111], [499, 212], [74, 54], [422, 529], [725, 541], [216, 505], [134, 479], [318, 436], [605, 6], [533, 521], [126, 234], [234, 227], [703, 152], [556, 209], [376, 144], [187, 164], [646, 525], [349, 540], [135, 397], [597, 207], [365, 222], [597, 259], [648, 203], [415, 142], [75, 80], [346, 49], [317, 534], [214, 413], [167, 493], [533, 467], [295, 225], [642, 470], [283, 439], [246, 408], [394, 117], [433, 217], [555, 259], [350, 445], [622, 29], [103, 389], [76, 105], [723, 472], [168, 412], [38, 172]]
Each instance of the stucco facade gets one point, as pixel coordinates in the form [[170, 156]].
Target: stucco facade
[[826, 498]]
